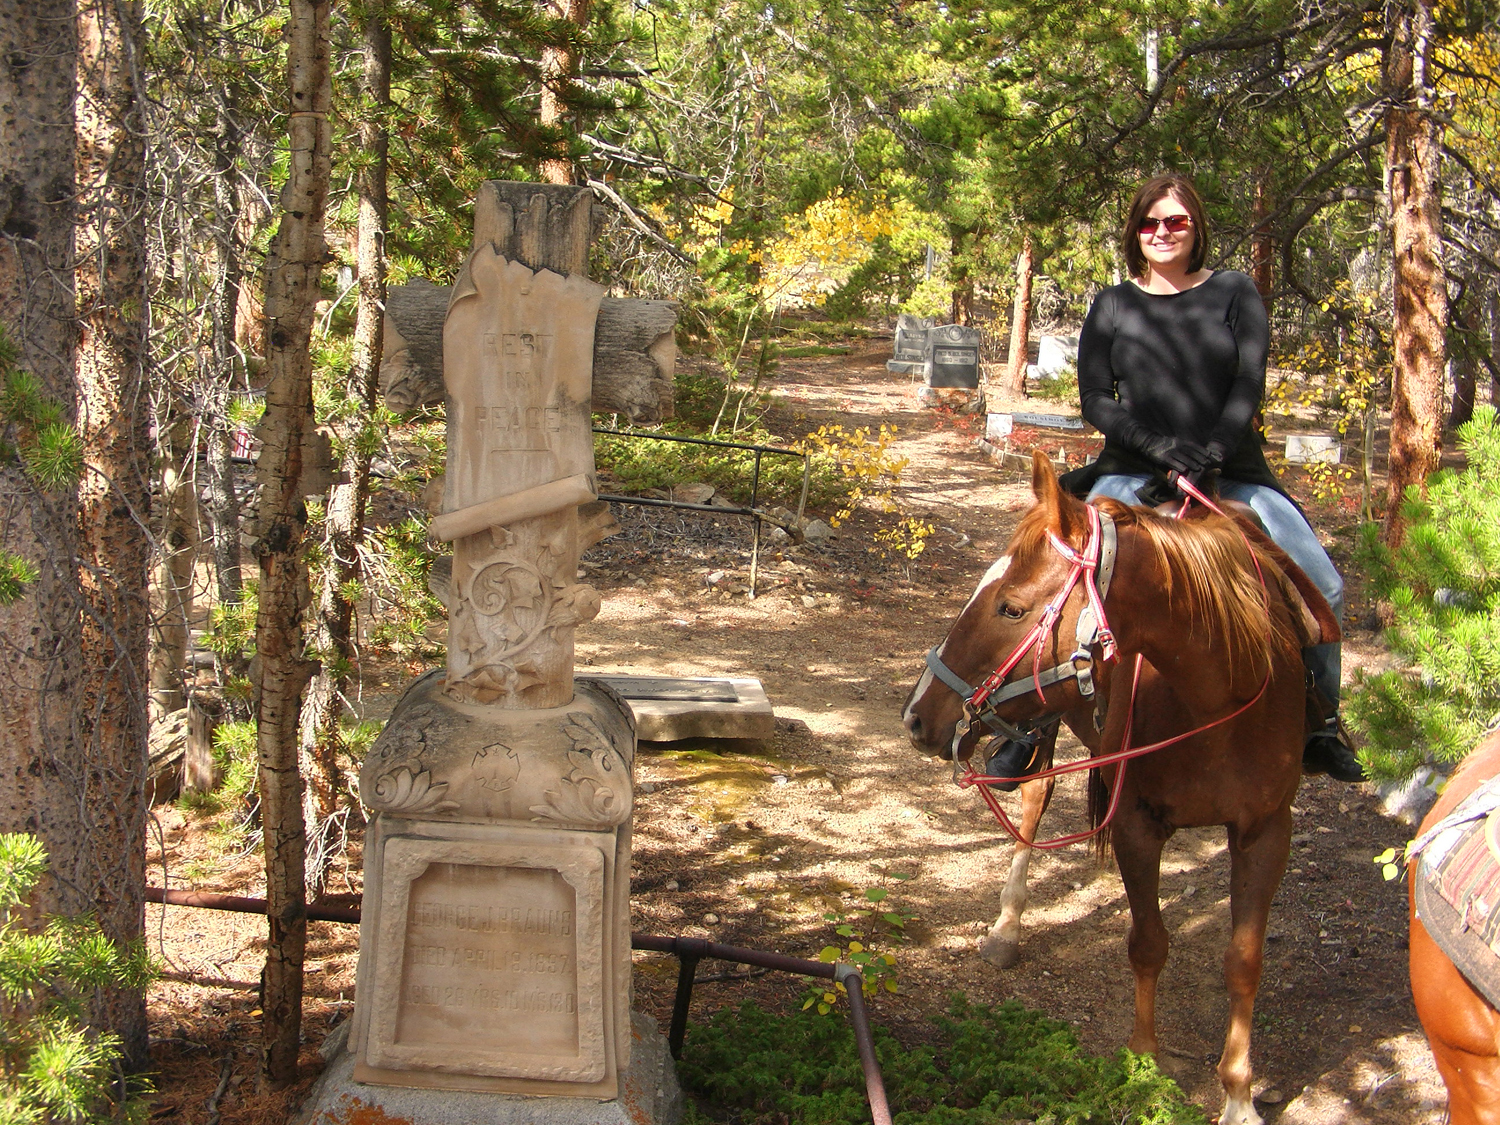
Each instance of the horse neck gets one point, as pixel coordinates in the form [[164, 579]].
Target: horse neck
[[1163, 628]]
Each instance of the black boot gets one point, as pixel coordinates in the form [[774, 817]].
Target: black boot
[[1015, 759], [1328, 751]]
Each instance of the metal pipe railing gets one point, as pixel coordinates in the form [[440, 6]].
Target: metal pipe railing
[[753, 511], [210, 900], [688, 950]]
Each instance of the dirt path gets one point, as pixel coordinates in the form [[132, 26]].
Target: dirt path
[[769, 839], [754, 844]]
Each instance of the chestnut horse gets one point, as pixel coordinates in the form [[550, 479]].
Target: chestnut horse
[[1209, 630], [1462, 1026]]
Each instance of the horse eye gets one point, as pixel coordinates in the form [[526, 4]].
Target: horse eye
[[1011, 611]]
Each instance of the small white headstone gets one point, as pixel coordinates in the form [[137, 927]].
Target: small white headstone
[[997, 427], [1057, 357], [1306, 449]]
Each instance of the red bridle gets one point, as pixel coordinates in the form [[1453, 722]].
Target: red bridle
[[1085, 565], [1085, 562]]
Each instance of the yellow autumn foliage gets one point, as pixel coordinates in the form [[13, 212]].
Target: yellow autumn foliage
[[819, 249], [1471, 77]]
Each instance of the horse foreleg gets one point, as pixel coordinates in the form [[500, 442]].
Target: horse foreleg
[[1002, 948], [1257, 863], [1138, 853]]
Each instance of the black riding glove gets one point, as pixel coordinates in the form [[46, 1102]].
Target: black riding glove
[[1218, 453], [1173, 453], [1187, 457]]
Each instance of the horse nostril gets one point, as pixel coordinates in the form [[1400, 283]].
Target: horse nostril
[[914, 725]]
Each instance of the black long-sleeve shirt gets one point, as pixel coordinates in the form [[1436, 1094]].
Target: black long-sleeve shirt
[[1187, 365]]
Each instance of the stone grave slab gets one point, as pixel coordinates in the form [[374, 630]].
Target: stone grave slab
[[954, 357], [668, 709], [1309, 449], [1049, 421], [910, 352], [1057, 358]]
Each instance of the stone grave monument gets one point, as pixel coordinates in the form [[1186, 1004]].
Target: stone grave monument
[[911, 349], [495, 957], [950, 374], [1056, 358]]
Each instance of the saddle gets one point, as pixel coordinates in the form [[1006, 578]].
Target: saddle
[[1455, 876]]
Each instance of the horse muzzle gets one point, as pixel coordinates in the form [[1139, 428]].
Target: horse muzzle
[[933, 735]]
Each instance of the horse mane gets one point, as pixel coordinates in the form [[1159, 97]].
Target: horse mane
[[1207, 566]]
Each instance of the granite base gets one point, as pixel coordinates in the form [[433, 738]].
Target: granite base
[[651, 1095]]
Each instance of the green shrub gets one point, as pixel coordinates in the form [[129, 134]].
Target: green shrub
[[641, 463], [231, 626], [699, 399], [55, 1068], [991, 1066], [1443, 586]]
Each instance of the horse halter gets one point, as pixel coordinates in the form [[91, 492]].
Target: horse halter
[[1094, 566]]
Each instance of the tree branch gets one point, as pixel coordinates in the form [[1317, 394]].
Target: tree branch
[[634, 219]]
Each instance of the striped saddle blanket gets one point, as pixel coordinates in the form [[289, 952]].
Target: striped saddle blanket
[[1456, 885]]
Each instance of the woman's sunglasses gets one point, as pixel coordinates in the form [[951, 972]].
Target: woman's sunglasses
[[1174, 224]]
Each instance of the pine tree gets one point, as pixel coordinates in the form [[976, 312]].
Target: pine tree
[[55, 1069], [1443, 585]]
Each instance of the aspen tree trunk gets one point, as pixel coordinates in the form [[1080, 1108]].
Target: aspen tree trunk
[[1421, 300], [348, 500], [293, 268], [756, 179], [114, 494], [559, 65], [1020, 322]]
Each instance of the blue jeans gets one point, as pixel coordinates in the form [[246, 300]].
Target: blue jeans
[[1289, 531]]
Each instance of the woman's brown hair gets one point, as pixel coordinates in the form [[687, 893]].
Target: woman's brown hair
[[1159, 187]]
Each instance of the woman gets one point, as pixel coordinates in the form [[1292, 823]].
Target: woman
[[1171, 369]]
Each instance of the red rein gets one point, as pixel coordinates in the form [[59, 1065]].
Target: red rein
[[1085, 562]]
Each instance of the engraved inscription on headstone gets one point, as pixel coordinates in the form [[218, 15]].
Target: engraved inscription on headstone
[[911, 336], [518, 349], [955, 357], [911, 346], [484, 946], [495, 954]]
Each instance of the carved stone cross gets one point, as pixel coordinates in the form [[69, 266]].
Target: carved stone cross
[[518, 347]]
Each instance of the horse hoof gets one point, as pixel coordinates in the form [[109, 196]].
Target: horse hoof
[[1000, 953], [1240, 1112]]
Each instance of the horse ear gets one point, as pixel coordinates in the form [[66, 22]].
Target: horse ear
[[1044, 484], [1061, 508]]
